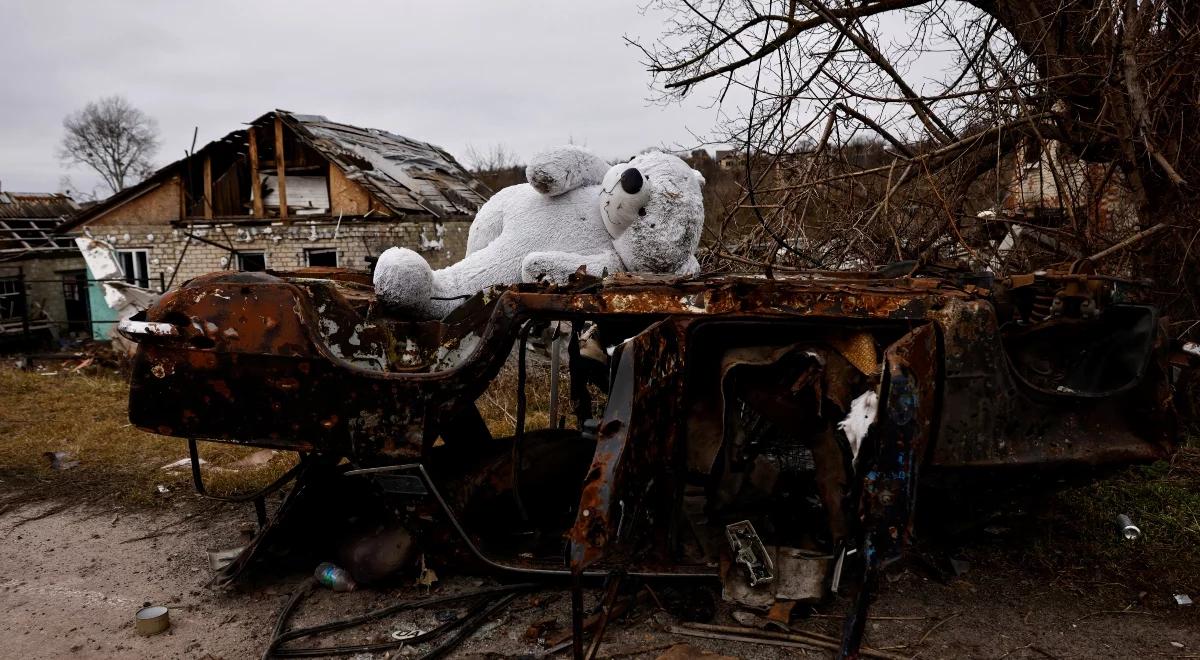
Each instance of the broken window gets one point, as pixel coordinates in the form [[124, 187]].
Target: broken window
[[326, 257], [10, 298], [252, 261], [134, 264]]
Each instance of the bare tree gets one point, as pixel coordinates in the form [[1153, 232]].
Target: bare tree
[[850, 159], [113, 138], [497, 166], [497, 157]]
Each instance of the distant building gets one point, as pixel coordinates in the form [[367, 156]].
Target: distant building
[[729, 159], [289, 191], [1049, 185], [43, 280]]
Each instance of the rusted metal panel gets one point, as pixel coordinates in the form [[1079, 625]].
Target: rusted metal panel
[[901, 443], [296, 332], [636, 469]]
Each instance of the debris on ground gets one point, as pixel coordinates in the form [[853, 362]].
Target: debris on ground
[[61, 460], [152, 620], [687, 651], [1126, 528], [333, 577]]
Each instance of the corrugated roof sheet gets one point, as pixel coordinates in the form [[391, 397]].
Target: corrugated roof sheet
[[28, 220], [408, 175]]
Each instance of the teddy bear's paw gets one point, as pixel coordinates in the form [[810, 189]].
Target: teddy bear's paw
[[553, 267], [563, 169], [403, 280]]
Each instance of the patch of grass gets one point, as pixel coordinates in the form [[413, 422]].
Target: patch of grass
[[86, 415], [1163, 499]]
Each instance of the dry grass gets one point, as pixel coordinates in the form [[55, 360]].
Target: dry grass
[[86, 416], [498, 405]]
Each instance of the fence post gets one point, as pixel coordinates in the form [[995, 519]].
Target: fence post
[[162, 282], [24, 304]]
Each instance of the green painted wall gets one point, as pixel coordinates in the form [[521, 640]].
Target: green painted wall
[[103, 318]]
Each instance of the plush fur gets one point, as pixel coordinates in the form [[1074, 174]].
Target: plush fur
[[641, 216]]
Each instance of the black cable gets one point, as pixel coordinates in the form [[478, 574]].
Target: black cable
[[508, 592], [322, 651], [284, 613], [472, 623]]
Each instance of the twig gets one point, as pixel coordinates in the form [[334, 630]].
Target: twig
[[651, 649], [935, 627], [1099, 612], [873, 617], [679, 630], [492, 400], [1132, 240], [160, 530], [45, 514], [796, 636]]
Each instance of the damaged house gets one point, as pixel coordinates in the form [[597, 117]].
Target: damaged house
[[43, 281], [1051, 191], [288, 191]]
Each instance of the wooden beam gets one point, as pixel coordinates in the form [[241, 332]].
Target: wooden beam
[[280, 176], [183, 193], [208, 210], [255, 184]]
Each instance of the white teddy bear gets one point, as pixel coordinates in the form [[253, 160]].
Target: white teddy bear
[[641, 216]]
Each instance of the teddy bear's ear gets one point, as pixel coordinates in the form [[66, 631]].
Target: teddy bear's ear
[[699, 177]]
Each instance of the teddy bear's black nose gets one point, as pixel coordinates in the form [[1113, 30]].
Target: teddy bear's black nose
[[631, 181]]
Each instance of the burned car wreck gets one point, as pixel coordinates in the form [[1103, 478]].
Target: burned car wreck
[[770, 433]]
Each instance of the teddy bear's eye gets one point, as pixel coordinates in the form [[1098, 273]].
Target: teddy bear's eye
[[642, 211]]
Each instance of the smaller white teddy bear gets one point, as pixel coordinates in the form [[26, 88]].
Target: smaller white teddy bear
[[642, 216]]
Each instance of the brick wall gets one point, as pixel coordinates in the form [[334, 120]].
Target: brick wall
[[283, 244], [44, 285]]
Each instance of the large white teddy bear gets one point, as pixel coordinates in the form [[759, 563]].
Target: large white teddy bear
[[641, 216]]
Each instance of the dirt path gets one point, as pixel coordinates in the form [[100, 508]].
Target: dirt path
[[71, 581]]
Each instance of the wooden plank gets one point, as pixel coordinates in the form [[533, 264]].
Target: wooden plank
[[280, 166], [256, 185], [183, 193], [208, 209]]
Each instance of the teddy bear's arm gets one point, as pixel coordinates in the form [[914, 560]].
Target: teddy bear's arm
[[691, 267], [563, 169], [489, 221], [557, 267]]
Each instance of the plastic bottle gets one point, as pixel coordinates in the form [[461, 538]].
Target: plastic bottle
[[334, 577]]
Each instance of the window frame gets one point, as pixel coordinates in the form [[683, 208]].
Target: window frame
[[139, 259], [256, 253], [308, 252]]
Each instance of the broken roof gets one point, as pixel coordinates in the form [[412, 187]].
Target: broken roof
[[406, 174], [28, 221]]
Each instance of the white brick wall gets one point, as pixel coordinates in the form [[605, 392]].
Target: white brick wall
[[284, 245]]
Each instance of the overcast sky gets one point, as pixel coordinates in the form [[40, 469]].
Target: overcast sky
[[525, 74]]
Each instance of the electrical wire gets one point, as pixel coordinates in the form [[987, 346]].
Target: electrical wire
[[463, 626]]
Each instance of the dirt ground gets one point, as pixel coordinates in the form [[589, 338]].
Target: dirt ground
[[72, 575]]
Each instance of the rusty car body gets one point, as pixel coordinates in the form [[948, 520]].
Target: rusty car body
[[768, 431]]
